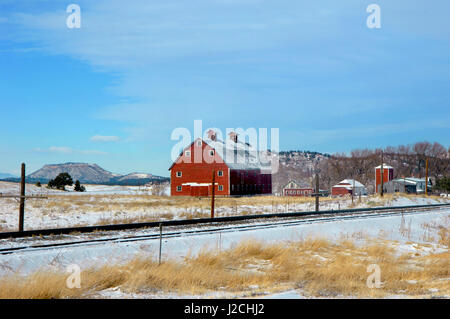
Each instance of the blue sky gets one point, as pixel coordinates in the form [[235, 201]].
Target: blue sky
[[112, 91]]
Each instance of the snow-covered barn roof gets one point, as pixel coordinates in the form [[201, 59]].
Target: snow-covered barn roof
[[239, 155], [348, 184], [295, 185]]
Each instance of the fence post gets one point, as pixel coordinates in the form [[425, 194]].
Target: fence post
[[22, 199], [317, 191], [212, 193], [160, 241]]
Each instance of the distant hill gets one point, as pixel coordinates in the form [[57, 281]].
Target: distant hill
[[6, 175], [297, 166], [89, 174]]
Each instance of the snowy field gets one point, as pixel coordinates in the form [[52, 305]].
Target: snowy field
[[412, 233], [126, 204], [415, 234]]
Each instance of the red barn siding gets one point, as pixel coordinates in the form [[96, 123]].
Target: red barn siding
[[198, 173], [339, 191], [234, 182], [297, 191]]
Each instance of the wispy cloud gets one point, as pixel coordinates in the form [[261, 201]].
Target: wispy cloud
[[68, 150], [104, 139]]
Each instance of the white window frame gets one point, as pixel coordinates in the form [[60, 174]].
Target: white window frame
[[179, 174], [220, 188], [220, 173], [211, 152], [187, 153], [179, 188], [199, 143]]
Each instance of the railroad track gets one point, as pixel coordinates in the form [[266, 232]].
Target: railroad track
[[186, 222], [284, 222]]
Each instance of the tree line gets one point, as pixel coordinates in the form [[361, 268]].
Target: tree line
[[407, 161], [61, 181]]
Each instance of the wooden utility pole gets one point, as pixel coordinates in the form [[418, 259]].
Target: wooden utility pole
[[382, 175], [426, 177], [317, 191], [212, 193], [22, 198], [160, 242], [353, 189]]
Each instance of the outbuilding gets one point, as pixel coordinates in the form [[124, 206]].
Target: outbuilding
[[408, 185], [297, 189], [348, 186]]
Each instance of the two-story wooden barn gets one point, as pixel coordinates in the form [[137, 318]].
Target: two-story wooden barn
[[296, 189], [239, 169]]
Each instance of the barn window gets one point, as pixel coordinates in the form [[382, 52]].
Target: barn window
[[220, 173], [199, 143], [211, 152], [220, 187], [179, 174], [187, 153], [178, 188]]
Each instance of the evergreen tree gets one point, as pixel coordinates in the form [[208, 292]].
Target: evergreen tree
[[78, 187], [443, 184], [60, 181]]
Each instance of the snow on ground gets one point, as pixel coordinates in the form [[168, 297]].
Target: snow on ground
[[110, 204], [407, 231], [39, 213], [14, 188], [387, 227]]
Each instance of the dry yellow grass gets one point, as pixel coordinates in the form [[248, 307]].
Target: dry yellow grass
[[120, 209], [138, 202], [319, 267]]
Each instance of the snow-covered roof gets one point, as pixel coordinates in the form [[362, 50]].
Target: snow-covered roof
[[296, 185], [198, 184], [348, 184], [239, 155], [384, 166], [410, 180]]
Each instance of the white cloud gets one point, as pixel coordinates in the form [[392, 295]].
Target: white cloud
[[103, 138], [60, 149], [68, 150]]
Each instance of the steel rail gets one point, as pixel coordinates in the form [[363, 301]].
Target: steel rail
[[185, 222]]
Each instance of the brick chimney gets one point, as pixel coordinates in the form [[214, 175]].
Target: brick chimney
[[212, 135], [233, 136]]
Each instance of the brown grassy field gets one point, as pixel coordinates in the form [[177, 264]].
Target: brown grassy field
[[318, 267], [63, 210], [102, 203]]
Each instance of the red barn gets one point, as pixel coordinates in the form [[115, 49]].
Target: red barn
[[237, 167], [348, 186], [295, 189]]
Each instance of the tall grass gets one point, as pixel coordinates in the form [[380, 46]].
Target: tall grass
[[319, 267]]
